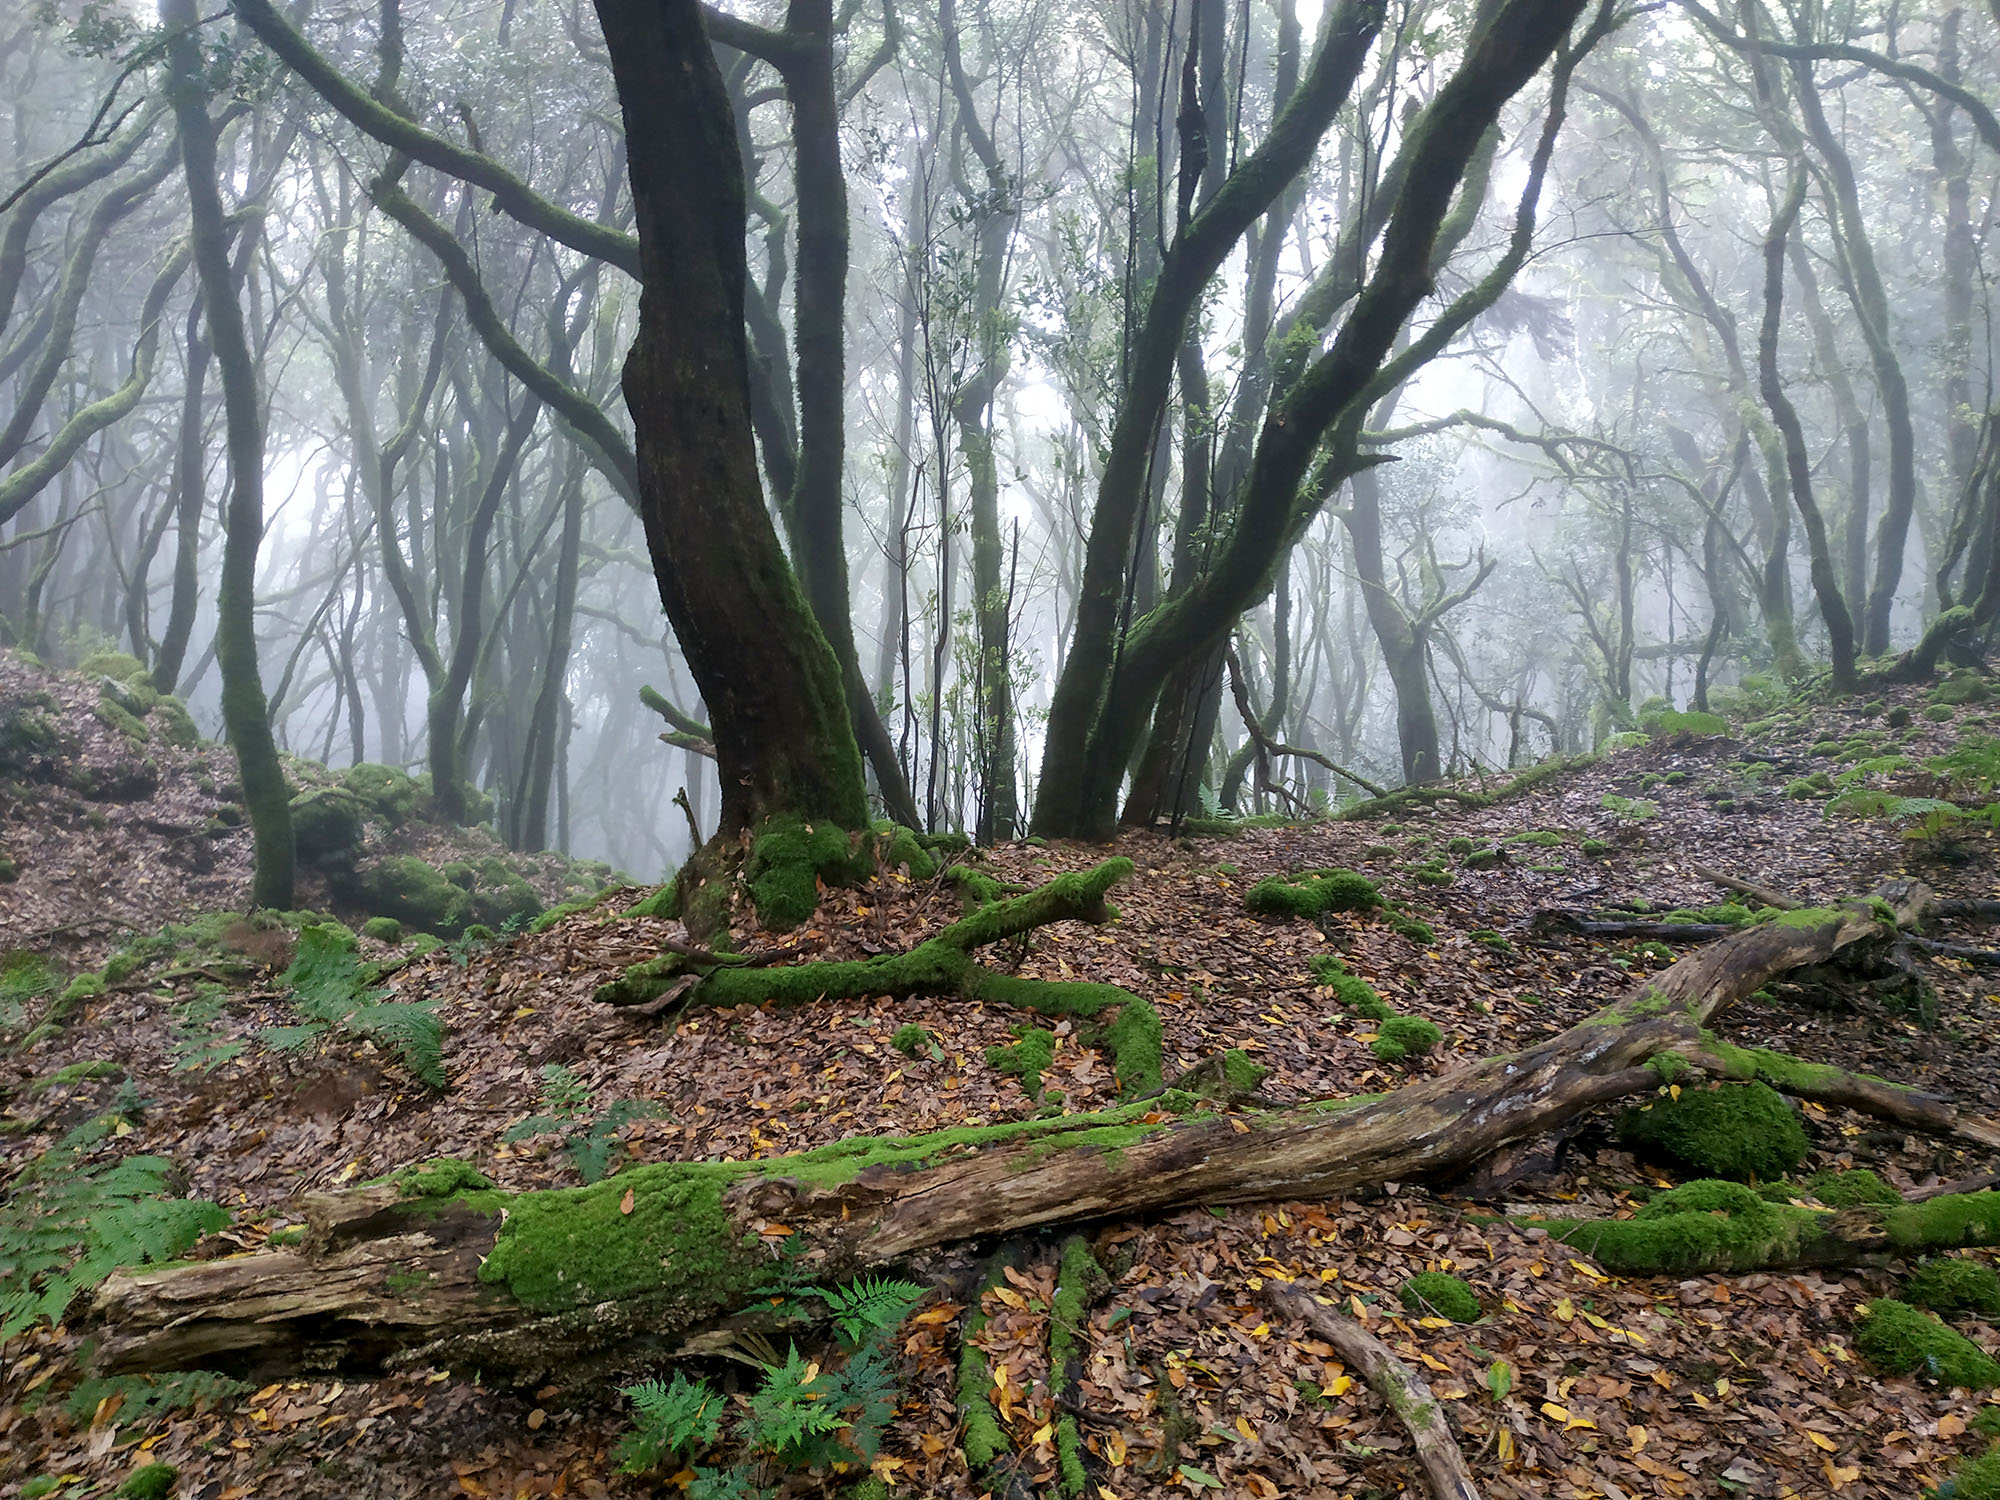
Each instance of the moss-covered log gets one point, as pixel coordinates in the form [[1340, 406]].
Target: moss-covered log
[[662, 1258], [1726, 1227]]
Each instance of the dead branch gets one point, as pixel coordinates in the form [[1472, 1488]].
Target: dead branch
[[1763, 893]]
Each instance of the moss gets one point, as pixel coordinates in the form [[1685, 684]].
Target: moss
[[81, 1072], [975, 887], [404, 887], [1461, 845], [1938, 713], [665, 902], [1540, 838], [1026, 1059], [1242, 1074], [117, 665], [394, 794], [1431, 874], [906, 851], [328, 821], [383, 930], [111, 715], [1838, 1189], [1728, 914], [1594, 847], [460, 872], [1734, 1130], [1704, 1225], [176, 724], [501, 897], [911, 1039], [1405, 1037], [1962, 687], [1951, 1284], [1483, 859], [1491, 939], [1899, 1340], [983, 1440], [1312, 893], [1350, 991], [423, 945], [1442, 1294], [1975, 1479], [1077, 1276], [9, 870], [1808, 788], [1668, 722], [1418, 932], [1669, 1067], [440, 1177], [153, 1482], [790, 859], [1943, 1223]]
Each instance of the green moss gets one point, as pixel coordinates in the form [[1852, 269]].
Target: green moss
[[328, 821], [1410, 928], [665, 902], [1442, 1294], [80, 1072], [1670, 1067], [111, 715], [460, 872], [1670, 721], [176, 724], [1404, 1037], [1807, 788], [1838, 1189], [1430, 874], [1899, 1340], [1461, 845], [1975, 1479], [404, 887], [394, 794], [975, 887], [1242, 1074], [1483, 859], [1077, 1275], [911, 1039], [1944, 1223], [383, 930], [982, 1439], [500, 896], [1350, 991], [153, 1482], [440, 1177], [117, 665], [790, 859], [1491, 939], [1950, 1283], [1962, 687], [1728, 914], [1734, 1130], [1938, 713], [906, 851], [1704, 1225], [1026, 1059], [1312, 893], [1594, 847], [1541, 838]]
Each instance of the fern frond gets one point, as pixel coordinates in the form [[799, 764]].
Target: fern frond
[[412, 1028], [673, 1420]]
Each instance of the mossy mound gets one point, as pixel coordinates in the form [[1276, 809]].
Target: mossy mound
[[328, 822], [1698, 1226], [395, 795], [1975, 1479], [119, 666], [1405, 1037], [1738, 1131], [383, 929], [414, 893], [1668, 721], [1962, 687], [152, 1482], [1898, 1339], [1950, 1283], [791, 859], [1856, 1189], [1441, 1294], [1031, 1055], [1350, 991], [1312, 893]]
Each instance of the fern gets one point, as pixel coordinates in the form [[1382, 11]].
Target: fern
[[24, 979], [67, 1227], [1975, 763], [143, 1397], [1637, 809], [194, 1024], [795, 1413], [675, 1421], [329, 991], [587, 1140], [875, 1304], [1868, 802], [1879, 765]]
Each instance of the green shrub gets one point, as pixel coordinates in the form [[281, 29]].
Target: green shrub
[[1899, 1340], [1737, 1131], [1312, 893], [1440, 1293], [1951, 1284]]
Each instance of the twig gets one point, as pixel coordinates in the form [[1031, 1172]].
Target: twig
[[1403, 1388], [1985, 958], [1269, 746], [1762, 892]]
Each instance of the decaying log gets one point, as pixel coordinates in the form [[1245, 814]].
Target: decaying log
[[1728, 882], [1408, 1394], [658, 1259], [1581, 924]]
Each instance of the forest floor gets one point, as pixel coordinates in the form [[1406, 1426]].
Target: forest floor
[[1192, 1380]]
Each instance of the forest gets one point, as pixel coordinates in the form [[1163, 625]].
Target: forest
[[999, 749]]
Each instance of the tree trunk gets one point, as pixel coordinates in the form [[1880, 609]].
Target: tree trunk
[[771, 684], [245, 712]]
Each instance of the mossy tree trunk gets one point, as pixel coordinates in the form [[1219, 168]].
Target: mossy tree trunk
[[668, 1258], [245, 712], [771, 684]]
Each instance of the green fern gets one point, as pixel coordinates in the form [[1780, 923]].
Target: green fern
[[588, 1138], [875, 1304], [67, 1227], [330, 990], [24, 979], [144, 1397], [796, 1413], [675, 1421]]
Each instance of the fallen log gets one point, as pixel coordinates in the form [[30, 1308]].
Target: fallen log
[[670, 1258], [1408, 1394]]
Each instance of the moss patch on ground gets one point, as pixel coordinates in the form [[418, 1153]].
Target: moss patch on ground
[[1312, 893], [1951, 1284], [1738, 1131], [1898, 1339], [1440, 1294]]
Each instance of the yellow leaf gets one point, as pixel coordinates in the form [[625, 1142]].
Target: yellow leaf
[[1249, 1433], [1636, 1436], [1722, 1386], [1114, 1450], [1586, 1270], [347, 1172], [1564, 1309], [1554, 1412], [1043, 1433], [1506, 1446], [1821, 1440], [1340, 1385], [1948, 1427], [1011, 1297]]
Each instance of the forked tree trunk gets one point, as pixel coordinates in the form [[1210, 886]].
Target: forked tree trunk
[[669, 1258]]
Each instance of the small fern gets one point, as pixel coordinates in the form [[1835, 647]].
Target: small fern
[[588, 1137], [68, 1226], [330, 991], [674, 1421], [875, 1304]]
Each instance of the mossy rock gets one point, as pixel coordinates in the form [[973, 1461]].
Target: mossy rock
[[1737, 1131], [501, 896], [1950, 1283], [120, 666], [1483, 859], [1809, 788], [395, 795], [1898, 1339], [1440, 1294], [176, 725], [404, 887], [328, 822], [30, 743], [1962, 687], [1312, 893], [383, 930], [110, 714], [1938, 713], [1897, 717]]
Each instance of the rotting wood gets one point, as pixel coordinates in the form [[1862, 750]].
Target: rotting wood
[[492, 1296], [1407, 1393]]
